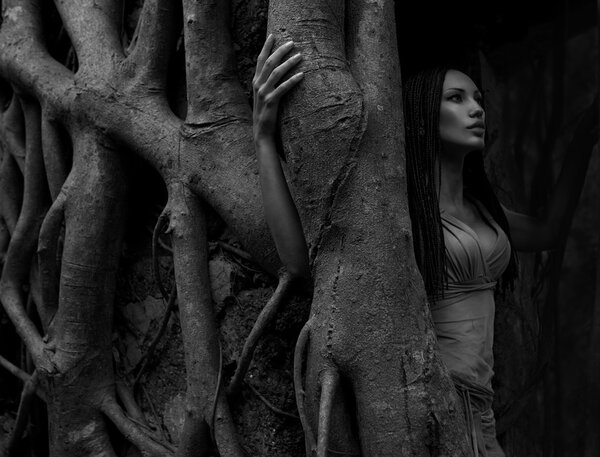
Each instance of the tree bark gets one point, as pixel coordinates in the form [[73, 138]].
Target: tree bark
[[370, 324]]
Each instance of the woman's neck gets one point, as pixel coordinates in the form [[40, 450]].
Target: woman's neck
[[451, 184]]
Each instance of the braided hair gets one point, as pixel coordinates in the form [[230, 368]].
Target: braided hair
[[422, 94]]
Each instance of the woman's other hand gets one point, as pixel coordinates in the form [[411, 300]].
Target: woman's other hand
[[267, 93]]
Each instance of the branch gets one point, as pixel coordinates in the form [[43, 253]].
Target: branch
[[158, 33], [24, 240], [56, 159], [213, 90], [94, 28], [264, 319], [24, 59], [133, 432], [200, 337]]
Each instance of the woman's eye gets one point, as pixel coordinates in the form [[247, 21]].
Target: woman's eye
[[455, 98]]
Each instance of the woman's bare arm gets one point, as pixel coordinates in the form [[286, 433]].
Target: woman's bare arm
[[280, 210], [535, 234]]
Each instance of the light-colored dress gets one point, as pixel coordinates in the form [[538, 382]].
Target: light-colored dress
[[464, 320]]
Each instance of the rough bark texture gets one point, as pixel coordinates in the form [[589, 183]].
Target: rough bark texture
[[97, 94], [364, 328]]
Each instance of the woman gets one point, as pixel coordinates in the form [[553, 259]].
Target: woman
[[464, 240]]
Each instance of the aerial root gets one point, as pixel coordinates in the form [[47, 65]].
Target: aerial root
[[270, 405], [27, 396], [48, 260], [4, 239], [158, 336], [127, 398], [213, 409], [299, 352], [139, 435], [163, 219], [13, 369], [330, 379], [264, 319], [56, 160]]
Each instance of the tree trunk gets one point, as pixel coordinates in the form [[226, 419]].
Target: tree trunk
[[370, 330]]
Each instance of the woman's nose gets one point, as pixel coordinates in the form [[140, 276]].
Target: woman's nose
[[476, 111]]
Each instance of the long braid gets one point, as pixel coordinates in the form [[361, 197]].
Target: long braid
[[478, 185], [422, 95]]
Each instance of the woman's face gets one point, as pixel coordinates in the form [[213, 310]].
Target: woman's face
[[462, 119]]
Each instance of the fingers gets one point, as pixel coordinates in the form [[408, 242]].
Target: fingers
[[281, 70], [264, 53], [271, 62], [285, 86]]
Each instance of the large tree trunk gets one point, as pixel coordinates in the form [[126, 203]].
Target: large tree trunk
[[370, 332]]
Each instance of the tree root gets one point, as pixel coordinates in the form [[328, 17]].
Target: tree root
[[14, 131], [270, 405], [264, 319], [4, 239], [11, 187], [154, 414], [27, 396], [199, 331], [330, 379], [158, 336], [48, 259], [56, 161], [126, 396], [163, 219], [23, 243], [299, 352], [14, 370], [236, 251], [134, 433]]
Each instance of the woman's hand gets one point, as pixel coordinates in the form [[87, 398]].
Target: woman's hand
[[267, 94]]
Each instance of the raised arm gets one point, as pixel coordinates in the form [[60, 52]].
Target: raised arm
[[536, 234], [280, 210]]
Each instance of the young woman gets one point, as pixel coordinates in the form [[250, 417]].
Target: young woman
[[464, 240]]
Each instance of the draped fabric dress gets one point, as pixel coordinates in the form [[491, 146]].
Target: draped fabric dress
[[464, 321]]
